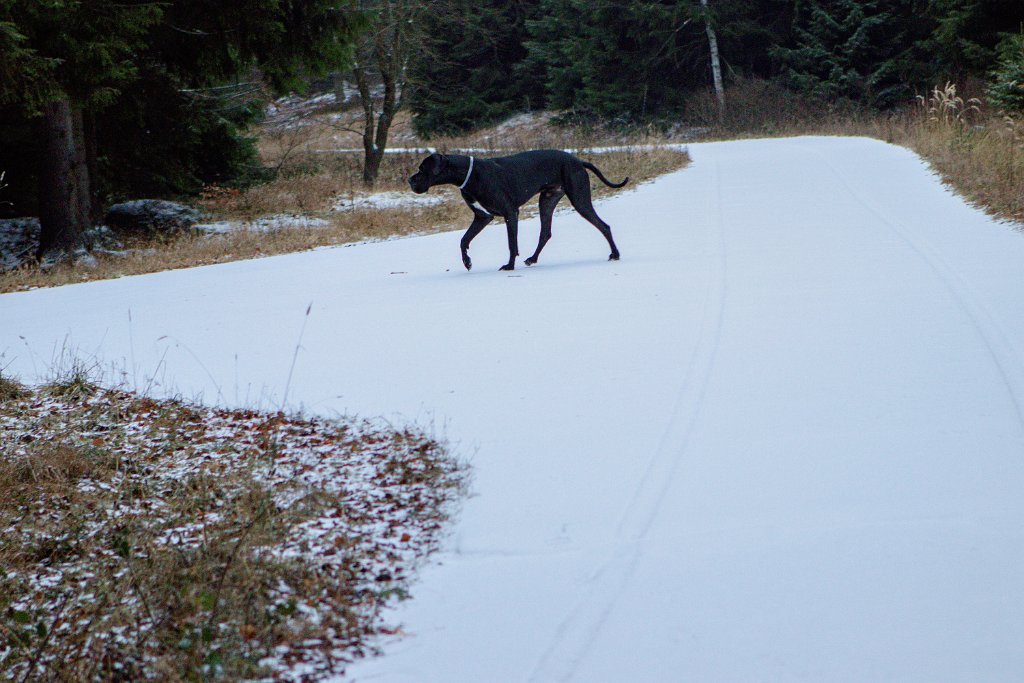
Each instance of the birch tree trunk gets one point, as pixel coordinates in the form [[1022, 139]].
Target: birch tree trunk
[[716, 65]]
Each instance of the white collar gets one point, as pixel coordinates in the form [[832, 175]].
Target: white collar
[[468, 173]]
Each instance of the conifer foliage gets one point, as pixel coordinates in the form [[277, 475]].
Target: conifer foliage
[[470, 70], [143, 79], [853, 50], [1007, 89]]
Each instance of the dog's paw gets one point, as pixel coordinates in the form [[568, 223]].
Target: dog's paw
[[614, 257], [508, 266], [466, 261], [530, 261]]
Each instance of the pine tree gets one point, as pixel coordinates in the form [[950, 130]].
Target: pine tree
[[1007, 87], [856, 50], [202, 81], [470, 71], [626, 61], [71, 59], [79, 54], [966, 33]]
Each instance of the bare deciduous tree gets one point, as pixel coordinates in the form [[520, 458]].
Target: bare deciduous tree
[[383, 54]]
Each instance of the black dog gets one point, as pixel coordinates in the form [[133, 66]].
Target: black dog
[[499, 186]]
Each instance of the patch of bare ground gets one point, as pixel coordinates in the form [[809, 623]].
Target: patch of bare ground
[[157, 540]]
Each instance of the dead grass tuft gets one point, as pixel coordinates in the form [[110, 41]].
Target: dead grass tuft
[[73, 382], [9, 388]]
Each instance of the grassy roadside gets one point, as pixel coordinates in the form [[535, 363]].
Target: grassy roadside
[[156, 540], [978, 151]]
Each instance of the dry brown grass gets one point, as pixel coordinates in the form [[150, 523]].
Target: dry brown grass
[[9, 388], [153, 540], [978, 152], [294, 141]]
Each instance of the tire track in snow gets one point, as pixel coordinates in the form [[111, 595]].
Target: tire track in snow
[[1002, 351], [577, 633]]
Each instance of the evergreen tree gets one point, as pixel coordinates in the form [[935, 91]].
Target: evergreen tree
[[470, 72], [747, 30], [629, 61], [856, 50], [1007, 88], [179, 125], [21, 67], [966, 33], [157, 62], [79, 53]]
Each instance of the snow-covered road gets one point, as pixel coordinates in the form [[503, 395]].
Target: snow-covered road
[[782, 439]]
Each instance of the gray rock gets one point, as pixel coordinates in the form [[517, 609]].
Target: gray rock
[[19, 240], [149, 216]]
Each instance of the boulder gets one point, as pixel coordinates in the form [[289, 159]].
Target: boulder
[[19, 240], [152, 216]]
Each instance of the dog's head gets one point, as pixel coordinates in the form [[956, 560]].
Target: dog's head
[[434, 170]]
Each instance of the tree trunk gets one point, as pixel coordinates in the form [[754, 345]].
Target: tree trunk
[[91, 166], [83, 195], [387, 49], [387, 114], [371, 154], [716, 65], [62, 215]]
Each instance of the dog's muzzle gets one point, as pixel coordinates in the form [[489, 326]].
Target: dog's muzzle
[[418, 185]]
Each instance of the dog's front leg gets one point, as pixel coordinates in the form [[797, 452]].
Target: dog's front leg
[[480, 220], [512, 225]]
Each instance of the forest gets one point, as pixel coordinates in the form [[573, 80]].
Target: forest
[[102, 101]]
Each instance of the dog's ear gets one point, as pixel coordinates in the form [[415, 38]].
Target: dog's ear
[[438, 162]]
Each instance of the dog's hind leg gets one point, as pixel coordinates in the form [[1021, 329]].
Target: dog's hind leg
[[579, 194], [480, 221], [548, 200]]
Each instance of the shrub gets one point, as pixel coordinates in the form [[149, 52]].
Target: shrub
[[1007, 87]]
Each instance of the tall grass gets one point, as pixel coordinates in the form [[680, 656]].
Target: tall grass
[[979, 153]]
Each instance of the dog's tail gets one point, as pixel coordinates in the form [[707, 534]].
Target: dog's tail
[[594, 169]]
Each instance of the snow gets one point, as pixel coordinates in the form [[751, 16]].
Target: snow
[[781, 439], [264, 224], [387, 200]]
